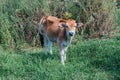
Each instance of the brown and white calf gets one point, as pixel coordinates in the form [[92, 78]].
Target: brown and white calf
[[53, 29]]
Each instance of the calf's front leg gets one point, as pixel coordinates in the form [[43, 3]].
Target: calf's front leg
[[65, 50], [62, 54]]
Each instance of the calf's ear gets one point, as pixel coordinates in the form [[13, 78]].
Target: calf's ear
[[62, 23], [80, 24]]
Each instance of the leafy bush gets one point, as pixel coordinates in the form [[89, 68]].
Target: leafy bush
[[19, 22], [5, 36]]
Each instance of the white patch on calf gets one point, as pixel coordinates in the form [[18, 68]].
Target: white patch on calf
[[60, 25]]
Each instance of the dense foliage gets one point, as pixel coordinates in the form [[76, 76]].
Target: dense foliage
[[19, 18]]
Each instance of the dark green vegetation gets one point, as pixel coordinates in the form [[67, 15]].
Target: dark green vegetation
[[19, 19], [21, 57], [86, 60]]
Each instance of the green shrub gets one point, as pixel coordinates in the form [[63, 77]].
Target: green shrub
[[19, 22], [5, 36]]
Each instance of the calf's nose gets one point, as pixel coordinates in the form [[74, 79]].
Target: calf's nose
[[71, 33]]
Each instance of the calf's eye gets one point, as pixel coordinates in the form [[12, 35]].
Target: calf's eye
[[65, 25]]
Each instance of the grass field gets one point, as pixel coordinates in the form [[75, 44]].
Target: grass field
[[92, 59]]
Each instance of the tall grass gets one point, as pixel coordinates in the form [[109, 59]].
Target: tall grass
[[118, 17]]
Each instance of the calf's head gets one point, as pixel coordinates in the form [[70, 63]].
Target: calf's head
[[70, 26]]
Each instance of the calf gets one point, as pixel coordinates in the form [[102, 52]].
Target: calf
[[53, 29]]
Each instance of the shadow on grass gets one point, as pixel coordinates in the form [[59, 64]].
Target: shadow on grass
[[43, 56], [109, 63], [4, 72], [104, 56]]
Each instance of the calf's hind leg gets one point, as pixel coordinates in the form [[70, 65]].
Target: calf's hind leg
[[45, 45], [50, 46]]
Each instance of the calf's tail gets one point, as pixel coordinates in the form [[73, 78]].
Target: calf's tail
[[41, 40]]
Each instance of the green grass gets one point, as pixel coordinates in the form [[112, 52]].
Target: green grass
[[91, 59]]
